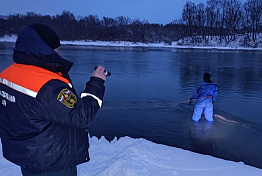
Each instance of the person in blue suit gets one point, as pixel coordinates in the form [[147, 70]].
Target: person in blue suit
[[205, 95]]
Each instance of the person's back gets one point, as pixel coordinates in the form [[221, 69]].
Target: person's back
[[205, 95], [43, 121]]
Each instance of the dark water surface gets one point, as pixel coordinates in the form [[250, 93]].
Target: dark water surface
[[147, 94]]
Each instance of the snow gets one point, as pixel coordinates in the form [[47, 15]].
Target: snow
[[7, 38], [139, 157], [186, 43]]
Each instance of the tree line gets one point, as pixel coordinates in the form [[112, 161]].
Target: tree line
[[90, 27], [201, 22], [223, 18]]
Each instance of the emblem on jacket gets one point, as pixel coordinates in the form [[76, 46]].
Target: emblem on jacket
[[67, 98]]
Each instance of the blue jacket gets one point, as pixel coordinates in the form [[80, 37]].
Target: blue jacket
[[42, 120], [205, 92]]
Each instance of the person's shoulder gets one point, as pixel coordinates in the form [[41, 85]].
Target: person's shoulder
[[53, 87], [205, 84], [202, 83], [212, 84]]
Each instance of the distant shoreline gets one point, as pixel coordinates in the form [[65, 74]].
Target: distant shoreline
[[174, 45]]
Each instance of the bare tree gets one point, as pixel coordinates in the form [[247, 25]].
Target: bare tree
[[253, 12], [123, 21], [214, 16], [233, 16], [189, 13], [109, 22], [201, 18]]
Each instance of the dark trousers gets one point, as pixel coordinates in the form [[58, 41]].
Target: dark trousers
[[67, 172]]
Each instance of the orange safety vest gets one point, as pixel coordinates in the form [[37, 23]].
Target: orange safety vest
[[28, 79]]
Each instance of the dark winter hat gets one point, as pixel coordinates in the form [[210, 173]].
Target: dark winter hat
[[47, 34], [207, 77]]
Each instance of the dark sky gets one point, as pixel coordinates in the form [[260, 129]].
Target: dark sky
[[155, 11]]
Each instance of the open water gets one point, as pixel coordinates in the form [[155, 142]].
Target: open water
[[148, 92]]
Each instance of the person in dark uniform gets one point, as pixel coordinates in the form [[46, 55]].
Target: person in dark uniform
[[43, 123]]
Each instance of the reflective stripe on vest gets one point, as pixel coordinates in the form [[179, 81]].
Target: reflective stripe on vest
[[95, 97], [18, 88], [28, 79]]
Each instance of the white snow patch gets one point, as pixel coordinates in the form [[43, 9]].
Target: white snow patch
[[140, 157]]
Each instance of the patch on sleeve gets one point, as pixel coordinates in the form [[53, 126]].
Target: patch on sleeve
[[67, 98]]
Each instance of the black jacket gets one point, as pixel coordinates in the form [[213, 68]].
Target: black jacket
[[45, 129]]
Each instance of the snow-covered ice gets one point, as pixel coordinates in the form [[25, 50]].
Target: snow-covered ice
[[140, 157]]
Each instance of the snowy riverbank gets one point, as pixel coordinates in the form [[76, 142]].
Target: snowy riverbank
[[212, 44], [137, 157]]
